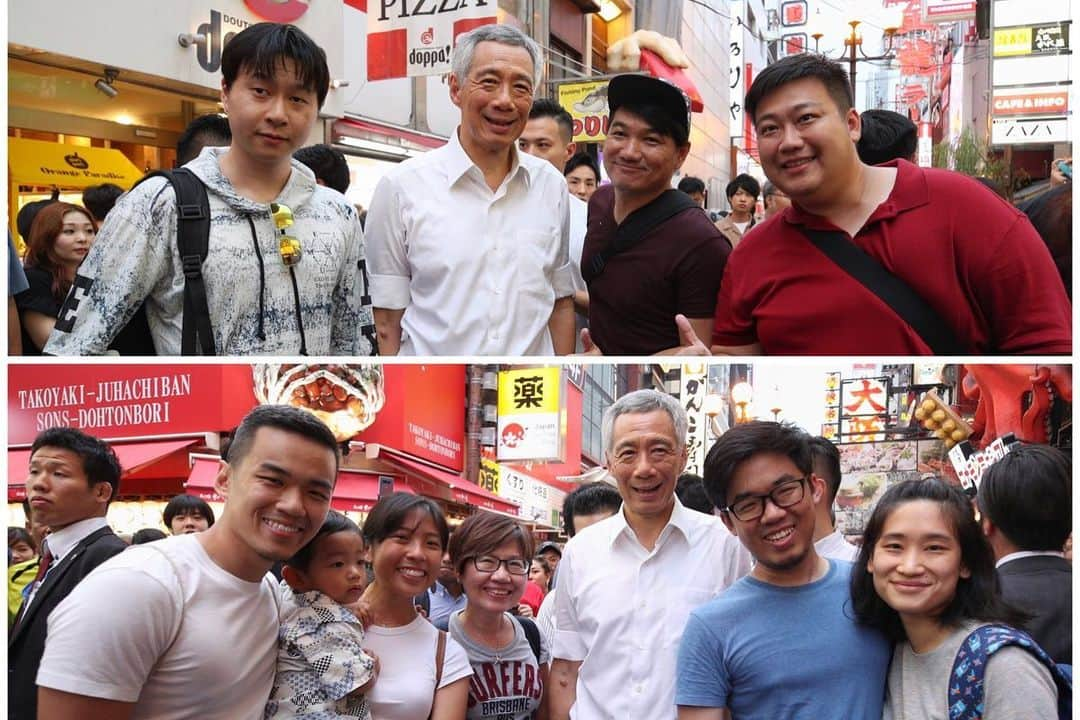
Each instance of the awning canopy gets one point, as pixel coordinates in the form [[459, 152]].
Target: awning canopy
[[355, 491], [133, 457], [445, 484], [38, 162]]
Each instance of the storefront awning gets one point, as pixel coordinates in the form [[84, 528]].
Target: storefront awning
[[355, 491], [133, 457], [41, 163], [445, 484]]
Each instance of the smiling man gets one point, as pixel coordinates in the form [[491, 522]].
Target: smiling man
[[628, 583], [469, 243], [187, 626], [650, 251], [71, 481], [882, 260], [262, 295], [739, 657]]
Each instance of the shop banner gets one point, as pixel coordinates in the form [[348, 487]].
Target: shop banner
[[1039, 100], [1025, 12], [410, 38], [1029, 131], [694, 381], [1031, 40], [942, 11], [423, 413], [121, 401], [864, 406], [587, 104], [530, 405], [736, 81]]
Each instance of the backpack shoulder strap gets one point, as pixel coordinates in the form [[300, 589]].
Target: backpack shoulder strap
[[637, 225], [193, 244], [179, 593], [532, 633], [440, 656], [966, 693]]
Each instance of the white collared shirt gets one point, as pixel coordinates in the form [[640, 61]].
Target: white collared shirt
[[63, 541], [1027, 553], [579, 225], [477, 272], [836, 547], [621, 609]]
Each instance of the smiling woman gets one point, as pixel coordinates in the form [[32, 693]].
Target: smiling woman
[[423, 673]]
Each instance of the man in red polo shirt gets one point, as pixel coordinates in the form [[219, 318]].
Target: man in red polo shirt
[[970, 256]]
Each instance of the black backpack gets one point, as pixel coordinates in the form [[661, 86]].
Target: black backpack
[[193, 243]]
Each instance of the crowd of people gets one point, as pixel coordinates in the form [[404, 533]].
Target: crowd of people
[[505, 242], [750, 607]]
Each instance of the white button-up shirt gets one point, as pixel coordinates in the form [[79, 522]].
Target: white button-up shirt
[[836, 547], [477, 272], [621, 609], [63, 541]]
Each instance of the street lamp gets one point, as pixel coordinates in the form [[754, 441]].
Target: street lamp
[[741, 394], [854, 53]]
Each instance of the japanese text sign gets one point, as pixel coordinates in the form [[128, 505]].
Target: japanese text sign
[[530, 425], [587, 104]]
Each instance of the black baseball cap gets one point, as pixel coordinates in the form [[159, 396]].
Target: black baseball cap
[[635, 89]]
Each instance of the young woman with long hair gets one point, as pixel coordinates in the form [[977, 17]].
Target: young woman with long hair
[[925, 577]]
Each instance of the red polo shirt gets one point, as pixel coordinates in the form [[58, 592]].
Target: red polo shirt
[[973, 257]]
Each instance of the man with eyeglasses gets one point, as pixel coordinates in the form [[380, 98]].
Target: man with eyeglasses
[[744, 654], [628, 583]]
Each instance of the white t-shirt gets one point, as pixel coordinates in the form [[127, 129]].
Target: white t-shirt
[[405, 688], [579, 219], [836, 547], [110, 638]]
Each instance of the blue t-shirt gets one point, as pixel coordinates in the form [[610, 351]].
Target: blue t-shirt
[[769, 652]]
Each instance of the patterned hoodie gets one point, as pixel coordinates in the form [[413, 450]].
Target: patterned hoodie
[[254, 308]]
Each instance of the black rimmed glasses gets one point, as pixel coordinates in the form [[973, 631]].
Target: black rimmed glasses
[[783, 495], [489, 564]]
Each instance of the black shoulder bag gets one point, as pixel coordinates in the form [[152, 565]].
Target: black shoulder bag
[[894, 292], [637, 225]]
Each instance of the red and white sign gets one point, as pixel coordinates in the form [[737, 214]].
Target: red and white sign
[[408, 38], [122, 401], [939, 11], [793, 13], [1044, 100], [424, 413]]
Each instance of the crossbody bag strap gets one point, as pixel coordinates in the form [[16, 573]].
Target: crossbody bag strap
[[908, 305], [637, 225], [440, 656]]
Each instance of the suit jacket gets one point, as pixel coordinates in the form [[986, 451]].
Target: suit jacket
[[1042, 586], [26, 641]]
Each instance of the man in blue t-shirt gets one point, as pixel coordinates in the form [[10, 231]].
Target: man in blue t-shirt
[[781, 642]]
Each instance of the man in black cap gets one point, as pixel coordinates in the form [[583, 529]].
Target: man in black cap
[[650, 252]]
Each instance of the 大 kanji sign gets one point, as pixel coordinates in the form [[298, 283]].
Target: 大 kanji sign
[[531, 424], [407, 38]]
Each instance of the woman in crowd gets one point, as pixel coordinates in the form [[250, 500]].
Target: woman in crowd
[[491, 555], [423, 673], [925, 577], [60, 238], [540, 573]]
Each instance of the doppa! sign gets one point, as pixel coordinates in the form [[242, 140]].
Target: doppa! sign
[[408, 38]]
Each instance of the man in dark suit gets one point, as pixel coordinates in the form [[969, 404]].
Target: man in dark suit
[[1026, 504], [71, 481]]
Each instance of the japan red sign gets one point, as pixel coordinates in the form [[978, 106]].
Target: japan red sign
[[793, 13], [122, 401], [408, 38]]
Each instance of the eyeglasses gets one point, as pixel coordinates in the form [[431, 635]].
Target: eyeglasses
[[489, 564], [784, 495], [288, 246]]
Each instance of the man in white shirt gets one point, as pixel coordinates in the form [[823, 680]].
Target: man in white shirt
[[72, 478], [828, 541], [628, 583], [549, 135], [187, 626], [469, 243]]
